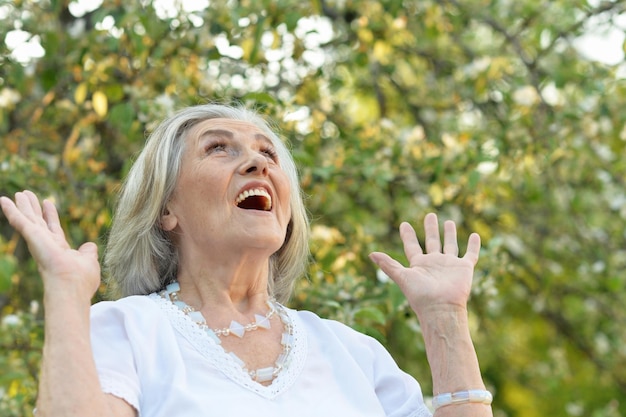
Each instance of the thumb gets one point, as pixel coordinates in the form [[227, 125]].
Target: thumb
[[388, 265], [89, 248]]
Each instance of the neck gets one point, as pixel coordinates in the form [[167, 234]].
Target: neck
[[239, 285]]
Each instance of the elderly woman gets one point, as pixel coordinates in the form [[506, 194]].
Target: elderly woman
[[209, 235]]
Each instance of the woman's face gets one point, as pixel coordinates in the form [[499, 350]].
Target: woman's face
[[232, 193]]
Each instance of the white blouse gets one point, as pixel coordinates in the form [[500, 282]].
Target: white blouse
[[157, 359]]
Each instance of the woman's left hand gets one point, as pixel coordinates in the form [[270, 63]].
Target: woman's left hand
[[438, 278]]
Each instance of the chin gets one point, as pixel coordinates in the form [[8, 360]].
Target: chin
[[271, 242]]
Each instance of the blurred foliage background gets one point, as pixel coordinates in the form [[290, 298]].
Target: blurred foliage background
[[484, 111]]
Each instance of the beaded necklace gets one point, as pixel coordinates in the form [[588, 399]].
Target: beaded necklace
[[237, 329]]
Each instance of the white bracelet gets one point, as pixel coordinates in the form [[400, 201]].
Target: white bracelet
[[472, 396]]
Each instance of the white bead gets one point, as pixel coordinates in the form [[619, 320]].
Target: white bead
[[281, 359], [265, 374], [262, 321], [461, 397], [196, 316], [480, 396], [286, 339], [237, 329]]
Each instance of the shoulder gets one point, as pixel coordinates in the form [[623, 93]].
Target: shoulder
[[313, 321], [130, 303], [334, 333], [398, 392], [128, 311]]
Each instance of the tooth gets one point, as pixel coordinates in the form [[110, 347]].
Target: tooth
[[256, 192]]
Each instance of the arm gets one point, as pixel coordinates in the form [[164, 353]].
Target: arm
[[69, 384], [437, 285]]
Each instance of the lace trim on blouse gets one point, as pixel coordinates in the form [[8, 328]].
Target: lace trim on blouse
[[220, 359], [113, 385]]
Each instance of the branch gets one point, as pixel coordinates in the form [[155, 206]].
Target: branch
[[380, 96], [535, 73], [565, 33], [567, 329]]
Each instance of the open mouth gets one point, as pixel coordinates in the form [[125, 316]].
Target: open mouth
[[255, 199]]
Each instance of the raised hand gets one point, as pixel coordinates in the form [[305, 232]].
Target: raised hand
[[62, 268], [437, 278]]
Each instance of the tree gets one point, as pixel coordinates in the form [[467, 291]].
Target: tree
[[483, 111]]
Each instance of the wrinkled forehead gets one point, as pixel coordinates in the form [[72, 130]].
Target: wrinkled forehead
[[229, 127]]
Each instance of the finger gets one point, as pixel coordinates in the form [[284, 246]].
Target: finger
[[411, 244], [34, 202], [6, 203], [89, 248], [14, 215], [389, 266], [51, 216], [431, 228], [9, 209], [25, 205], [473, 248], [450, 245]]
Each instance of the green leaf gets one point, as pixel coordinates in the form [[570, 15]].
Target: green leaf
[[370, 314], [8, 267]]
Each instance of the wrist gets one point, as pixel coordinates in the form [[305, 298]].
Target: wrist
[[67, 289], [432, 312], [450, 350], [450, 322], [69, 300], [476, 396]]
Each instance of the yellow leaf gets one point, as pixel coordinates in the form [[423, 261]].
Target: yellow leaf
[[100, 103], [483, 229], [276, 40], [365, 36], [14, 389], [81, 93], [382, 52], [95, 166], [436, 194], [72, 155], [247, 45]]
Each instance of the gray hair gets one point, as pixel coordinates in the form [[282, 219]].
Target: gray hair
[[140, 258]]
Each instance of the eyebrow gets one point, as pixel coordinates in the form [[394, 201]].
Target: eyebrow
[[230, 135]]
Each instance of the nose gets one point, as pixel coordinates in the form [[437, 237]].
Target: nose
[[254, 163]]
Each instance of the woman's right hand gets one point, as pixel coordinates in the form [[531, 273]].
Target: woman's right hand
[[65, 271]]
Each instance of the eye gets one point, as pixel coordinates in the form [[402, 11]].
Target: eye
[[215, 147], [270, 153]]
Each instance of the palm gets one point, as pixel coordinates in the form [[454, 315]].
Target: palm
[[437, 277], [61, 267]]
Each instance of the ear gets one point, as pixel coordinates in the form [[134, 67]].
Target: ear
[[168, 220]]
